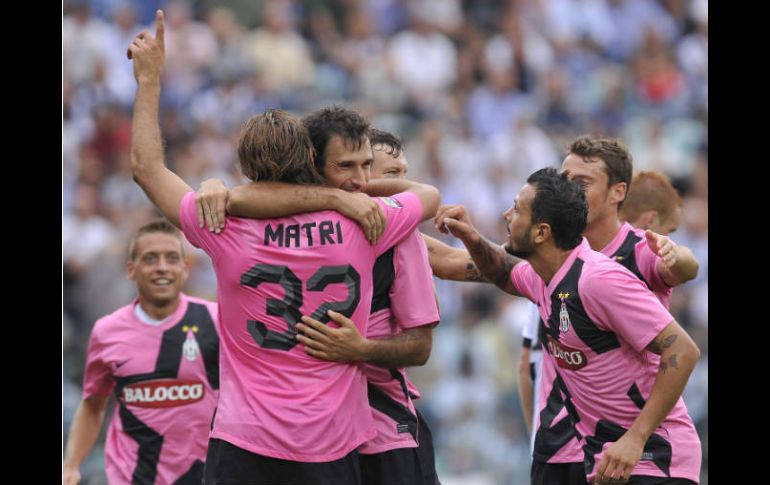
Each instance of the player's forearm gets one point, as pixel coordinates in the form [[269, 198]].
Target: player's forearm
[[492, 260], [453, 264], [684, 270], [428, 195], [262, 200], [387, 187], [676, 364], [146, 145], [411, 348], [83, 433]]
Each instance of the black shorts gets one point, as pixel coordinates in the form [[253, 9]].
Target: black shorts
[[646, 480], [558, 473], [403, 465], [227, 464]]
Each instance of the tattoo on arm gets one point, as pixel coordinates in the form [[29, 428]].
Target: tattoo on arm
[[657, 347], [663, 366], [672, 361], [669, 341], [494, 264], [472, 273]]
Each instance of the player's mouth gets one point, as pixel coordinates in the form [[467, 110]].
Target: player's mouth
[[161, 282]]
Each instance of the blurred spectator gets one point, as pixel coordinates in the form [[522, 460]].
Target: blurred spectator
[[278, 52]]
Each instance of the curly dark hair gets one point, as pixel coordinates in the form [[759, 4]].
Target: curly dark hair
[[390, 143], [323, 124], [560, 203]]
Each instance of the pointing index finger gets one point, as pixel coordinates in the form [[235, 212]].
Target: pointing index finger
[[159, 28]]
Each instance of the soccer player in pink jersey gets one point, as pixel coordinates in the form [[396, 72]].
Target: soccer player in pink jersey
[[404, 308], [282, 415], [404, 311], [599, 320], [604, 167], [159, 357]]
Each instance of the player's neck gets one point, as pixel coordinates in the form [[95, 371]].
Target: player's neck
[[601, 232], [548, 260], [159, 312]]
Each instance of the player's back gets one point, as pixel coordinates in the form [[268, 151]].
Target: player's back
[[275, 400]]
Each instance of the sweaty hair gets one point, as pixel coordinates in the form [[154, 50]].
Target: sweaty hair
[[323, 124], [618, 163], [561, 204], [275, 147], [156, 225], [651, 191], [389, 143]]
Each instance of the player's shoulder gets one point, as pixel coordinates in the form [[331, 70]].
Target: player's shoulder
[[598, 265], [399, 200], [115, 319]]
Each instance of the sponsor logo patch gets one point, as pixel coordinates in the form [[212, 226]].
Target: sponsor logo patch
[[566, 357], [402, 428], [392, 202], [163, 393]]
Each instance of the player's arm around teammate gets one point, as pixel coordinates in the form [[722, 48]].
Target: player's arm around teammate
[[346, 344], [265, 200]]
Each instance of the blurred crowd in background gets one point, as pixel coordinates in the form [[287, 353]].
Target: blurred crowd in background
[[483, 92]]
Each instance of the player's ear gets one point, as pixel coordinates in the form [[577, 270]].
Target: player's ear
[[618, 192], [131, 270], [542, 232]]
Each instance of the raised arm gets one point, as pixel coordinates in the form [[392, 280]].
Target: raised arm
[[678, 356], [450, 263], [491, 259], [677, 263], [83, 433], [164, 188]]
